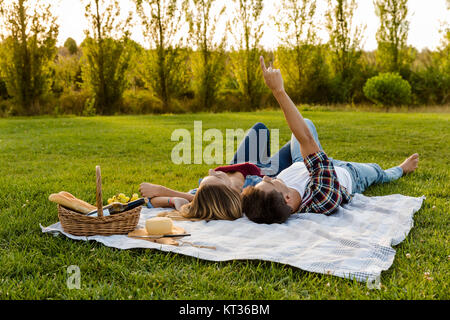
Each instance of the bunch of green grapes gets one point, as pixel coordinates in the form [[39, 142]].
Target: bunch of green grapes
[[122, 198]]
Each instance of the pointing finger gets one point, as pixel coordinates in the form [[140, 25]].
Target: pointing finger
[[263, 65]]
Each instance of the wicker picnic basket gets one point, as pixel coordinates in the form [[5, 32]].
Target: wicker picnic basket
[[80, 225]]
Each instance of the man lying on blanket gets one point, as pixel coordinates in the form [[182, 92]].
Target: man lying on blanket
[[313, 183], [317, 184]]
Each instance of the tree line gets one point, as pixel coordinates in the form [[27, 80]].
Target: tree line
[[108, 73]]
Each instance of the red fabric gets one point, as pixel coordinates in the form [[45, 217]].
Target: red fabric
[[247, 169]]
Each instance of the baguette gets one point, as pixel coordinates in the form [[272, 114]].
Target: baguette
[[69, 201]]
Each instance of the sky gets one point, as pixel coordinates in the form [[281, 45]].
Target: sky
[[426, 19]]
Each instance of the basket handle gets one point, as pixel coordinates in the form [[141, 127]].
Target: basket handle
[[99, 192]]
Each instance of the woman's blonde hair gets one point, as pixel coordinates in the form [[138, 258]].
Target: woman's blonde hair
[[211, 202]]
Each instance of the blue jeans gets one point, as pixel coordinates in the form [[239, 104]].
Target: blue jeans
[[255, 148], [363, 174]]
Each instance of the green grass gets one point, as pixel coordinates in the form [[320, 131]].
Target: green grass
[[40, 156]]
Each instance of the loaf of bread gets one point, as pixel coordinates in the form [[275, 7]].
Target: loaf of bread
[[159, 226], [69, 201]]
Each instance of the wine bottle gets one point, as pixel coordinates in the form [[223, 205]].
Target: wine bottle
[[117, 207]]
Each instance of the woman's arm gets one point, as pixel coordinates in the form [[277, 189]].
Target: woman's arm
[[293, 117], [153, 190], [168, 202]]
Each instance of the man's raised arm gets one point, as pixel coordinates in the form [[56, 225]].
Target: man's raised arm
[[295, 121]]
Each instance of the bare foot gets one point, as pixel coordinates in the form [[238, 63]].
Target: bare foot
[[410, 164]]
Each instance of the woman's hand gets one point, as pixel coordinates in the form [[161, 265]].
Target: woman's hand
[[149, 190], [179, 202], [272, 77]]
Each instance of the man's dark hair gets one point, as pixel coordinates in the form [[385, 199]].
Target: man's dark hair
[[265, 207]]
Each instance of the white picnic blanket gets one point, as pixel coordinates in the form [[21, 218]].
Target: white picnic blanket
[[355, 243]]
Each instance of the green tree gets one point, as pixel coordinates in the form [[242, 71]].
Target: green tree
[[392, 34], [246, 27], [29, 48], [165, 71], [430, 76], [105, 56], [345, 45], [300, 57], [209, 60], [71, 45], [67, 71], [134, 74], [442, 61]]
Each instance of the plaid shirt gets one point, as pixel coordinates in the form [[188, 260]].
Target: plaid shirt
[[323, 193]]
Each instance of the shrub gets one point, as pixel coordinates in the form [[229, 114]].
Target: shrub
[[430, 86], [430, 78], [3, 89], [72, 102], [388, 89], [6, 108], [141, 102]]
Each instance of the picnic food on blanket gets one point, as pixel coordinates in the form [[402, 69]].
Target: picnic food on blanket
[[159, 230], [159, 226], [69, 201], [117, 207]]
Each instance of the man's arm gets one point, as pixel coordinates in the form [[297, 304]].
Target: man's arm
[[293, 117]]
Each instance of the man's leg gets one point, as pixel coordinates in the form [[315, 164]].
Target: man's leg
[[366, 174], [296, 153]]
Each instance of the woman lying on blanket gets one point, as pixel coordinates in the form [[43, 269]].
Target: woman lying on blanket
[[318, 184], [225, 184], [219, 193]]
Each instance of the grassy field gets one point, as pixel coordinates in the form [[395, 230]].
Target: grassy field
[[40, 156]]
